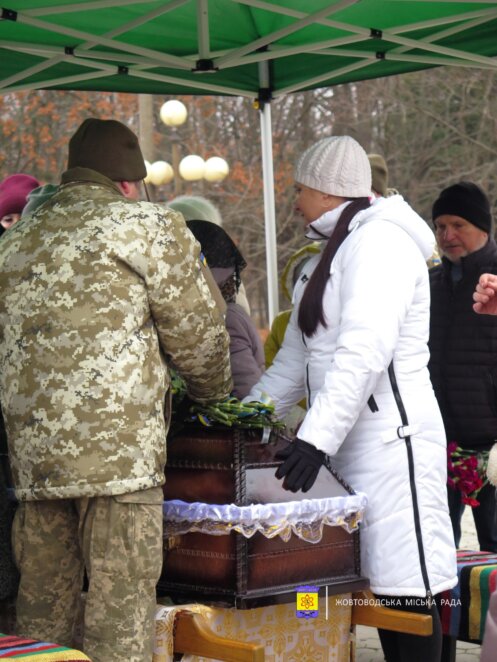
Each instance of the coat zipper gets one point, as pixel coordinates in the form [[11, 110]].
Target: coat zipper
[[412, 482], [307, 385]]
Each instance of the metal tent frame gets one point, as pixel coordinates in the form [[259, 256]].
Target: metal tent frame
[[251, 48]]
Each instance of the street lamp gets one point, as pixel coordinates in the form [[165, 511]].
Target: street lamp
[[216, 169], [173, 113], [159, 172], [191, 168]]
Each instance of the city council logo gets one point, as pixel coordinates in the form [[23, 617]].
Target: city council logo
[[307, 602]]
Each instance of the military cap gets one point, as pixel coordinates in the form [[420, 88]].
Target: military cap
[[110, 148]]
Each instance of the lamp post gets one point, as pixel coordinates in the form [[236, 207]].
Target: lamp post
[[173, 113], [192, 167]]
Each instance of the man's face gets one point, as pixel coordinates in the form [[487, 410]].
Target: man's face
[[457, 237], [9, 220]]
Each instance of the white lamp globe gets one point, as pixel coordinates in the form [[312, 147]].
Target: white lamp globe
[[147, 178], [216, 169], [173, 113], [192, 167], [160, 173]]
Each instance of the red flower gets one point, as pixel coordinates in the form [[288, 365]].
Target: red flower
[[472, 462], [470, 501], [466, 472], [451, 447]]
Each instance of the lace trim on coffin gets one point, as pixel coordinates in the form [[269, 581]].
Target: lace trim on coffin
[[305, 518]]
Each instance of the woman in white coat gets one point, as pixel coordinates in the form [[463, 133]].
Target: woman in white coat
[[356, 347]]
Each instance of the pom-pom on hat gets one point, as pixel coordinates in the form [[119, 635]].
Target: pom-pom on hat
[[14, 191], [110, 148], [337, 165], [466, 200]]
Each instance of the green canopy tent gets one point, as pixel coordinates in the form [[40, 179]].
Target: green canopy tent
[[252, 48]]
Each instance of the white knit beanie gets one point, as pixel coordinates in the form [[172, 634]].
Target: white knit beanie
[[337, 165]]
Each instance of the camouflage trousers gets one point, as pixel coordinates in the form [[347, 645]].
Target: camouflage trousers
[[119, 542]]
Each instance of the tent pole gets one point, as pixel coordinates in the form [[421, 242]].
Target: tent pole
[[269, 211]]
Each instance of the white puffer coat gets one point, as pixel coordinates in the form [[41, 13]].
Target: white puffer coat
[[376, 305]]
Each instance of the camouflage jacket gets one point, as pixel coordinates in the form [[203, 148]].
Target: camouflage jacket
[[97, 294]]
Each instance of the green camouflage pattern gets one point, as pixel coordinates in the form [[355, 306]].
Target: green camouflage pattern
[[119, 540], [98, 294]]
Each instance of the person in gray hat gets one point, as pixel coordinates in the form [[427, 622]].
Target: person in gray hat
[[98, 294], [356, 347], [380, 189], [462, 344], [379, 175]]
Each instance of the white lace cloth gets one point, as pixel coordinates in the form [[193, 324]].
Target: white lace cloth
[[304, 518]]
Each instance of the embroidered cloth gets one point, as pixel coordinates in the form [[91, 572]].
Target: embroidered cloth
[[464, 608], [22, 648], [286, 638]]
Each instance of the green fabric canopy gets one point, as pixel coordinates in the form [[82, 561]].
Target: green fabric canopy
[[235, 46], [253, 48]]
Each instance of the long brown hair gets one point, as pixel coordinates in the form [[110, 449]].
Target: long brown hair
[[311, 312]]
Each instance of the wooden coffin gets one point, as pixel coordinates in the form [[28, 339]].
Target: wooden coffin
[[226, 465]]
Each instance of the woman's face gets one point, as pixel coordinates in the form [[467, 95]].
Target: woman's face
[[311, 204]]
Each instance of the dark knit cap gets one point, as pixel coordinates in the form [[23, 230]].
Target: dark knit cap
[[219, 249], [108, 147], [466, 200], [14, 192]]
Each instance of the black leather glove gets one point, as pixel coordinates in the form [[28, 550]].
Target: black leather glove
[[301, 466]]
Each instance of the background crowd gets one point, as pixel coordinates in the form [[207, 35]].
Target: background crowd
[[101, 293]]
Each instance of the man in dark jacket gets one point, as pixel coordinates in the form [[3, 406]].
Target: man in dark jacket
[[463, 345]]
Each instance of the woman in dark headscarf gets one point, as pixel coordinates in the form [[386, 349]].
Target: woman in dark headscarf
[[226, 262]]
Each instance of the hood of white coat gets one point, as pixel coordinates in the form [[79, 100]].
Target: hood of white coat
[[393, 209]]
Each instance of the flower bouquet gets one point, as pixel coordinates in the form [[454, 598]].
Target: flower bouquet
[[230, 412], [467, 472], [233, 413]]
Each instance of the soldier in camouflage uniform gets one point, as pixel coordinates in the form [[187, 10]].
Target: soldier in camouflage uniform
[[98, 294]]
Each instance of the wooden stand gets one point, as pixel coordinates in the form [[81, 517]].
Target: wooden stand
[[377, 616], [192, 634]]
